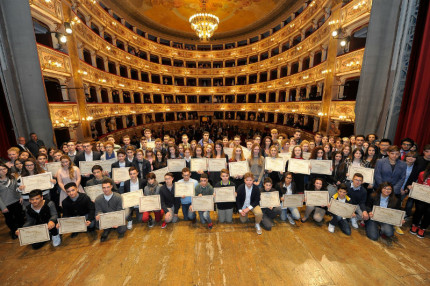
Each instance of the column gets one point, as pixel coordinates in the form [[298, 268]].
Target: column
[[93, 59], [121, 96], [99, 94], [103, 124]]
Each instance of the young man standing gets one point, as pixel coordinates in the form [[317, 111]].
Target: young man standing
[[133, 185], [225, 210], [78, 204], [248, 199], [121, 163], [169, 203], [186, 201], [383, 147], [109, 202], [41, 211], [204, 189]]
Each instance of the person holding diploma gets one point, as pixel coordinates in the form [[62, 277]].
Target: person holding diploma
[[121, 163], [134, 184], [109, 202], [319, 211], [248, 199], [337, 220], [236, 157], [225, 210], [385, 198], [217, 154], [159, 162], [358, 195], [41, 211], [66, 174], [169, 203], [204, 189], [10, 201], [275, 176], [99, 176], [78, 204], [288, 187], [338, 175], [142, 165], [421, 217], [198, 153], [299, 179], [109, 152], [318, 154], [186, 201], [152, 188], [256, 164], [272, 212]]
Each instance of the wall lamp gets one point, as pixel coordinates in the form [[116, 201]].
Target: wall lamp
[[68, 28], [60, 37]]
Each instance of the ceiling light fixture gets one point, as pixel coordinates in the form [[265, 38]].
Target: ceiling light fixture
[[204, 24]]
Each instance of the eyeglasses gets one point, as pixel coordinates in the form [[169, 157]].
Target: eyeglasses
[[30, 165]]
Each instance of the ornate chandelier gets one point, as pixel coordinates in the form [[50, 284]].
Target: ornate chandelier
[[204, 24]]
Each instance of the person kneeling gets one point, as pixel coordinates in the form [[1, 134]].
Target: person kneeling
[[78, 204], [343, 224], [152, 188], [41, 211], [109, 202], [269, 213], [204, 189], [248, 199]]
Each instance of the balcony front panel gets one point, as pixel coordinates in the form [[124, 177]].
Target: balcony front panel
[[64, 114], [54, 62]]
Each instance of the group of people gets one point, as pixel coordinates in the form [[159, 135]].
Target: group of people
[[395, 170]]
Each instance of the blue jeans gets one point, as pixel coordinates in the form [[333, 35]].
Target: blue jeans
[[186, 212], [205, 216], [372, 229], [295, 214], [342, 223]]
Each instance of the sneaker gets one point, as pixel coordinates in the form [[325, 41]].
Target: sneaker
[[331, 228], [354, 223], [420, 233], [210, 225], [413, 230], [150, 222], [258, 228], [398, 230], [56, 240], [105, 235], [130, 224], [362, 224], [164, 224], [290, 220]]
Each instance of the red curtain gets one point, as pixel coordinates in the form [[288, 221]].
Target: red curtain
[[414, 118]]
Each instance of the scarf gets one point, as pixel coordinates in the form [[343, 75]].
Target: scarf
[[152, 187]]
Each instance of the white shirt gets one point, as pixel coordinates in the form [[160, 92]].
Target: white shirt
[[289, 189], [247, 203], [107, 198], [134, 186], [89, 157]]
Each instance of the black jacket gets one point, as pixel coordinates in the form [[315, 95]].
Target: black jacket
[[81, 207], [146, 167], [142, 184], [282, 191], [47, 213], [81, 157], [241, 196], [228, 205], [168, 199], [375, 200]]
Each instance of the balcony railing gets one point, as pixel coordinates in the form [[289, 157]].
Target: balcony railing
[[64, 114], [54, 62]]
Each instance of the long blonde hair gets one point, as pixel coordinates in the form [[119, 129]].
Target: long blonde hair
[[71, 169], [260, 158]]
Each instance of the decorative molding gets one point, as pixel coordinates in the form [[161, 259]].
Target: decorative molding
[[51, 9], [54, 62], [64, 114], [349, 62]]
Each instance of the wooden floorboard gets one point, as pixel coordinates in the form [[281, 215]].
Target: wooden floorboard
[[186, 254]]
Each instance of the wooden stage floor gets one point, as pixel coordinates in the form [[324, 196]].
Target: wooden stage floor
[[234, 254]]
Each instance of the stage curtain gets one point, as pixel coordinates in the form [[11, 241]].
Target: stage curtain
[[414, 118]]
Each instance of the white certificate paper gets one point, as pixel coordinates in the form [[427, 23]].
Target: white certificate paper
[[150, 144], [39, 181], [203, 203], [299, 166], [420, 192], [184, 189], [159, 174], [293, 201], [120, 174], [216, 164], [199, 164], [176, 165], [366, 172], [131, 199], [316, 198], [86, 166], [72, 224], [388, 216], [344, 210], [321, 167], [94, 191], [107, 164], [53, 167], [111, 219], [269, 199], [225, 194], [33, 234], [150, 203], [306, 155], [238, 168], [286, 156], [274, 164], [228, 151]]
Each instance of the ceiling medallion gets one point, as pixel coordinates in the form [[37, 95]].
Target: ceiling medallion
[[204, 24]]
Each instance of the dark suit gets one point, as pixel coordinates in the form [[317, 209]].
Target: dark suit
[[81, 157], [22, 148], [33, 146], [384, 173], [144, 169], [142, 185], [241, 196]]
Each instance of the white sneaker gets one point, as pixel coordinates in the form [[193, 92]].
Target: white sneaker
[[331, 228], [56, 240], [129, 224], [290, 220], [354, 223], [258, 228]]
